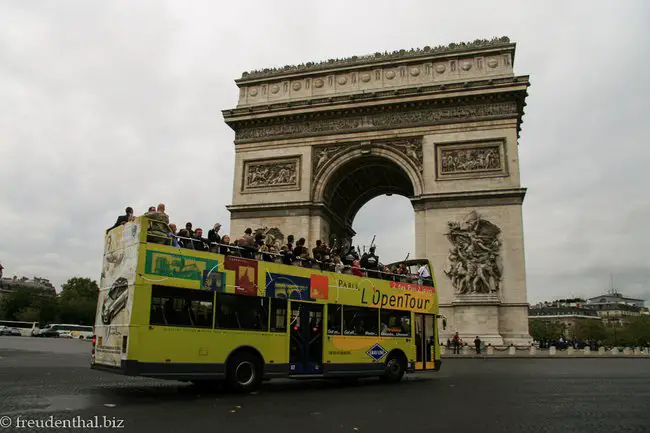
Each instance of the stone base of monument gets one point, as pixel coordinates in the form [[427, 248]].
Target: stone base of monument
[[477, 314]]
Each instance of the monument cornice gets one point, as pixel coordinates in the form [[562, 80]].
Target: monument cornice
[[336, 102], [429, 112], [480, 198], [284, 209], [378, 58]]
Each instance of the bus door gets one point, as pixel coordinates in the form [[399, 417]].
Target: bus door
[[425, 334], [306, 342]]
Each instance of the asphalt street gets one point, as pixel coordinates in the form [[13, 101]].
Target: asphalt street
[[49, 380]]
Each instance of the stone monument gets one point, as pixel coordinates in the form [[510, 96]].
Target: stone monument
[[439, 125]]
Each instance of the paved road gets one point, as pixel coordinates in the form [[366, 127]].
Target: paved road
[[40, 379]]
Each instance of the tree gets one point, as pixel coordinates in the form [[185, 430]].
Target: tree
[[545, 330], [78, 301], [638, 331], [589, 329]]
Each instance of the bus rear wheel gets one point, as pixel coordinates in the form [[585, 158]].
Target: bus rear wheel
[[244, 372], [395, 368]]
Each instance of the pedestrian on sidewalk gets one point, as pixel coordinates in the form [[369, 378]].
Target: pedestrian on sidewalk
[[456, 343], [477, 345]]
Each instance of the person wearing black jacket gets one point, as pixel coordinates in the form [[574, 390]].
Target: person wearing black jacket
[[122, 219]]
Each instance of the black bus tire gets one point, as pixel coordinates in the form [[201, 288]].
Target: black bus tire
[[395, 368], [244, 372]]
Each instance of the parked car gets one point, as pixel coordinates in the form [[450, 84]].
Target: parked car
[[5, 330], [47, 333]]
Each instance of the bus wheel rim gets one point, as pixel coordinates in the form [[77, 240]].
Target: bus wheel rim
[[393, 366], [245, 373]]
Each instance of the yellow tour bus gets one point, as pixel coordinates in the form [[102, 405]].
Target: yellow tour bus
[[183, 314]]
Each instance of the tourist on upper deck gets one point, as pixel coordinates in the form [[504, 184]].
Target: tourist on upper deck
[[223, 248], [356, 268], [338, 265], [122, 219], [199, 242], [302, 253], [172, 235], [247, 244], [370, 262], [287, 251], [158, 214], [188, 229], [214, 237]]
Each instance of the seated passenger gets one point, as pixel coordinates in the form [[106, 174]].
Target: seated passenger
[[356, 269], [223, 248], [188, 228], [338, 265], [172, 235], [198, 241]]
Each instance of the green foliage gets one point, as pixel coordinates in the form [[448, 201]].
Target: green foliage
[[542, 330], [589, 330], [76, 304]]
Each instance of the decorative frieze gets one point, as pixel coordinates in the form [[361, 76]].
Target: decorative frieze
[[410, 148], [476, 159], [397, 119], [272, 173]]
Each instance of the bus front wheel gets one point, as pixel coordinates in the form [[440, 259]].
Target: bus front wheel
[[244, 372], [395, 368]]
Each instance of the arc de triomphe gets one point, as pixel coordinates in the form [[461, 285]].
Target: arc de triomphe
[[440, 126]]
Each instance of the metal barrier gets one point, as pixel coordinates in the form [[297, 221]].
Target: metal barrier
[[255, 254]]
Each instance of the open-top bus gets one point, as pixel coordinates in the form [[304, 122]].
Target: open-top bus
[[181, 314]]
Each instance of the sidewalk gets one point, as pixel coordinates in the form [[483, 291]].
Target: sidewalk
[[501, 353]]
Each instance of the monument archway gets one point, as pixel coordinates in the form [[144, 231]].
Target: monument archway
[[315, 142]]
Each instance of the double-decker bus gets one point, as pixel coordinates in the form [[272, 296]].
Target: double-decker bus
[[189, 315]]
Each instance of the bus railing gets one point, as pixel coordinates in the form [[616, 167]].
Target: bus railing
[[281, 258]]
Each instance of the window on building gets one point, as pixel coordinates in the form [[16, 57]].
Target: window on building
[[176, 306], [360, 321], [395, 323], [242, 312], [334, 313], [278, 315]]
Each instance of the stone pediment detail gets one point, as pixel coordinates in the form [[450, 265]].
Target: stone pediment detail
[[393, 119], [410, 148]]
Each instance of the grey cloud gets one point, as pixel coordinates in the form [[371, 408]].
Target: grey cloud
[[105, 105]]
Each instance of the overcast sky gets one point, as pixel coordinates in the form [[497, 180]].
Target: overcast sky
[[116, 103]]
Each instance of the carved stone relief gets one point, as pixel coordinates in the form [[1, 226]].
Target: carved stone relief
[[474, 262], [411, 148], [271, 173], [379, 120], [469, 160]]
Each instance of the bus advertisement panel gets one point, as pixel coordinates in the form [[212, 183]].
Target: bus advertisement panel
[[121, 248]]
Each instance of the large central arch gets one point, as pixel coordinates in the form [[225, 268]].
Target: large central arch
[[315, 142], [357, 175]]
